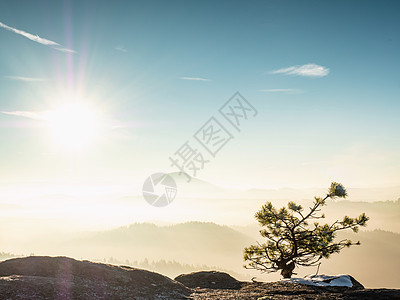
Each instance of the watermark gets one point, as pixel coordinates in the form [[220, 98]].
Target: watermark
[[211, 137], [236, 110], [159, 189]]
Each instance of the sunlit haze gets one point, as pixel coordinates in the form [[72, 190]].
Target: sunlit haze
[[73, 126], [96, 96]]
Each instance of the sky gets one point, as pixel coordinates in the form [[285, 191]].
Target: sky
[[323, 77]]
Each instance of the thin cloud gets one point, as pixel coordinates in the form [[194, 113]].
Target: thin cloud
[[195, 78], [26, 114], [121, 48], [308, 70], [65, 50], [32, 37], [36, 38], [25, 79], [287, 91]]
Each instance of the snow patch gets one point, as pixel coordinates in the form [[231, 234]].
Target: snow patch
[[322, 280]]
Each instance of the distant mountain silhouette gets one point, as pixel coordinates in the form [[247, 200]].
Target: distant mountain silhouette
[[191, 243], [221, 246]]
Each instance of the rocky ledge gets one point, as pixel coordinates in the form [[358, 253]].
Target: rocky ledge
[[63, 278], [217, 285]]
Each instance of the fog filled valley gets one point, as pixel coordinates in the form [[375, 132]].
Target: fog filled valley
[[214, 241]]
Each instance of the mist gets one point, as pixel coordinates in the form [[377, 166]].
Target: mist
[[193, 233]]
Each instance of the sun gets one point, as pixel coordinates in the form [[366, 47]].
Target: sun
[[73, 126]]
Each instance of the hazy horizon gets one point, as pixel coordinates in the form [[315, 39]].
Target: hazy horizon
[[255, 101]]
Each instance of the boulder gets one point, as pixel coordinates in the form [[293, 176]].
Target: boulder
[[209, 279], [42, 277]]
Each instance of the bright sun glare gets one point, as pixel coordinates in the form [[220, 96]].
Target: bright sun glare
[[73, 126]]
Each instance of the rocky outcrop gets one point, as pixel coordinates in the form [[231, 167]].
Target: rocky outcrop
[[218, 286], [289, 291], [209, 279], [63, 278], [66, 278]]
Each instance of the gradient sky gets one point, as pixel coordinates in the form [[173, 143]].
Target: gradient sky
[[158, 70]]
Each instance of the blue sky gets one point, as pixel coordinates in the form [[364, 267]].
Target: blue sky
[[137, 61]]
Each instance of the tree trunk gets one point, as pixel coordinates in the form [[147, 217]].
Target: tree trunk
[[287, 270]]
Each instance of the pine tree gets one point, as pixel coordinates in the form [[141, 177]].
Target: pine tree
[[292, 241]]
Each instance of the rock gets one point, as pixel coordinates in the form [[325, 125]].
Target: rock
[[42, 277], [64, 278], [288, 291], [327, 281], [356, 285], [209, 279]]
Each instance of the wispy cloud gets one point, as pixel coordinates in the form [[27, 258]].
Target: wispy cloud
[[121, 48], [26, 79], [36, 38], [195, 78], [65, 50], [287, 91], [308, 70], [26, 114], [32, 37]]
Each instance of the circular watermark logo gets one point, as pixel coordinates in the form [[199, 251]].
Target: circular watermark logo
[[159, 189]]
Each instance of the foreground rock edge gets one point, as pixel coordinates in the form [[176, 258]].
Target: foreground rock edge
[[43, 277]]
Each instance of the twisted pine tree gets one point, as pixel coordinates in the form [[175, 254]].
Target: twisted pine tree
[[292, 242]]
